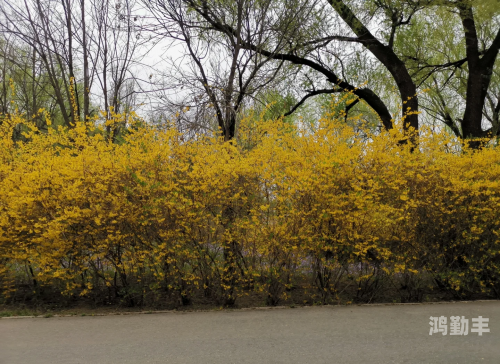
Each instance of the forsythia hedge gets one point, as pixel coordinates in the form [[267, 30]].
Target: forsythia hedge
[[159, 218]]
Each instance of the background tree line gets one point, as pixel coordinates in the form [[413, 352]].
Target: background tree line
[[72, 58], [421, 61]]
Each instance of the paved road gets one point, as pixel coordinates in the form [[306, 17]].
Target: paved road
[[348, 334]]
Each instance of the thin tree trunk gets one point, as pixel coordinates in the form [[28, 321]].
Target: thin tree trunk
[[86, 77]]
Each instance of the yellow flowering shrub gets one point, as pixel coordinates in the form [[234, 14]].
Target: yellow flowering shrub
[[157, 218]]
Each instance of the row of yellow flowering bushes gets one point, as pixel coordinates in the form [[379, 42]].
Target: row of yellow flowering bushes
[[158, 219]]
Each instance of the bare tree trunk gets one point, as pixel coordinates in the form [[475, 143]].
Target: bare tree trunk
[[34, 106], [3, 96], [86, 76], [71, 68]]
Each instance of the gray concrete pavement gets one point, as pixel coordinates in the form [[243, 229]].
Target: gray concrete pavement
[[345, 334]]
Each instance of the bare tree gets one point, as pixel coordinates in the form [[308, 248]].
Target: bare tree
[[115, 41], [292, 31], [214, 73]]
